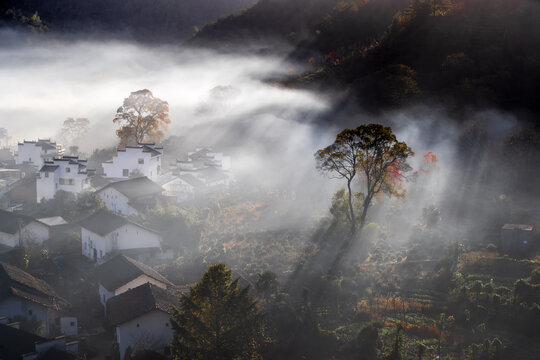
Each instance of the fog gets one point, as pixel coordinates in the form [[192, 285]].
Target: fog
[[226, 101]]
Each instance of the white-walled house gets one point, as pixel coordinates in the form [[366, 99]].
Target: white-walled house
[[129, 197], [30, 298], [141, 160], [205, 157], [141, 317], [67, 173], [104, 232], [17, 229], [182, 187], [203, 171], [122, 273], [37, 152]]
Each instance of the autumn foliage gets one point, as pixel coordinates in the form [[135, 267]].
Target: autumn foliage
[[142, 117]]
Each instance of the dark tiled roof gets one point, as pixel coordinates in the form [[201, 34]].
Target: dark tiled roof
[[10, 221], [151, 150], [122, 269], [102, 222], [139, 301], [45, 145], [522, 227], [202, 153], [136, 188], [16, 282], [48, 168], [192, 180], [14, 342], [99, 181]]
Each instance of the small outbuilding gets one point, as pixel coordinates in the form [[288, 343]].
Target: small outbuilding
[[141, 317], [517, 239]]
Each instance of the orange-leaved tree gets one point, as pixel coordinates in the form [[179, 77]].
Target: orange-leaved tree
[[372, 153], [142, 115]]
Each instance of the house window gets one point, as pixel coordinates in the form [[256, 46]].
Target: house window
[[125, 172], [141, 161], [138, 325], [30, 312], [72, 323], [46, 174], [68, 169]]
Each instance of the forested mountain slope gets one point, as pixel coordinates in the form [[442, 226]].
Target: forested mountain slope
[[472, 53], [150, 20]]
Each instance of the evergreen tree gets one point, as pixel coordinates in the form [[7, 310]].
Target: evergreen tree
[[217, 320]]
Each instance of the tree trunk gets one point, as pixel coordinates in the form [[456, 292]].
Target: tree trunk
[[351, 209], [365, 207]]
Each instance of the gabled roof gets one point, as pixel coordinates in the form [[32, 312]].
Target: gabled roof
[[192, 180], [103, 222], [122, 269], [14, 342], [151, 150], [136, 187], [11, 222], [53, 221], [19, 283], [200, 153], [48, 168], [139, 301], [522, 227], [46, 145]]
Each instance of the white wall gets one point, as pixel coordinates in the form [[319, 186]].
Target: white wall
[[151, 331], [117, 202], [179, 188], [45, 186], [34, 232], [126, 237], [11, 240], [73, 181], [14, 306], [129, 159], [30, 152], [105, 295], [68, 326]]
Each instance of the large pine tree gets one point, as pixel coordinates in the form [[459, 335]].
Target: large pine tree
[[217, 319]]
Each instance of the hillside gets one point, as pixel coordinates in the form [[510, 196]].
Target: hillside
[[472, 53], [267, 20], [155, 20]]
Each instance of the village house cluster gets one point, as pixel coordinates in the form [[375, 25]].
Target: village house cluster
[[112, 247]]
